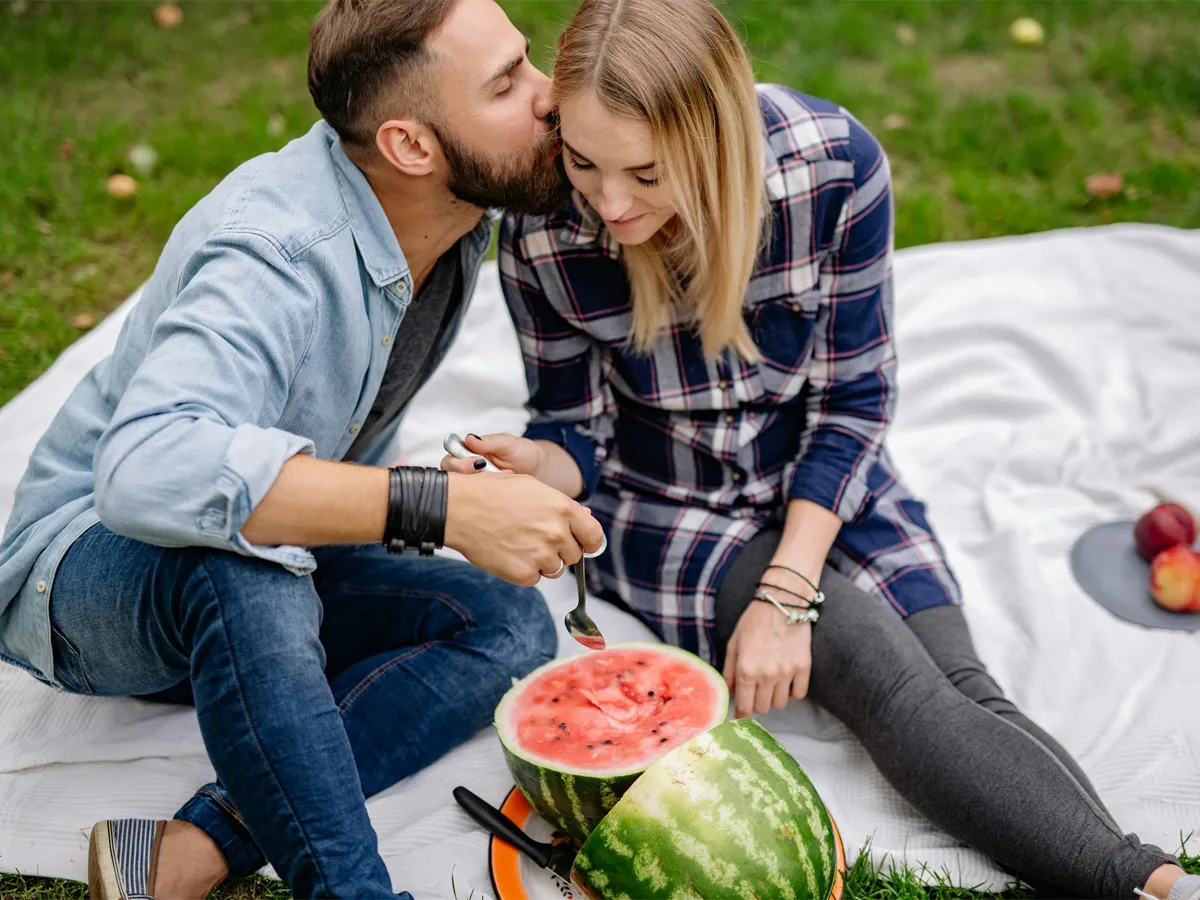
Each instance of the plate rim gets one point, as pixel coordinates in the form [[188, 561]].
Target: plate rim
[[504, 860]]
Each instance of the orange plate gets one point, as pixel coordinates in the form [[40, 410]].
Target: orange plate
[[504, 860]]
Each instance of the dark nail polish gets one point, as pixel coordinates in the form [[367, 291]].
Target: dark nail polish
[[480, 463], [477, 437]]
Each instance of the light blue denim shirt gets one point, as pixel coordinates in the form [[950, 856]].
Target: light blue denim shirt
[[263, 332]]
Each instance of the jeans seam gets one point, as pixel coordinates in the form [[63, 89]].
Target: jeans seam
[[228, 807], [203, 567], [377, 673]]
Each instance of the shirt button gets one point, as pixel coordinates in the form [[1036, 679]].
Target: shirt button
[[387, 339], [796, 307], [737, 477], [723, 385], [730, 419], [41, 587], [354, 429]]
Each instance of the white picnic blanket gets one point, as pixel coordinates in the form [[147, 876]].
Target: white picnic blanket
[[1048, 383]]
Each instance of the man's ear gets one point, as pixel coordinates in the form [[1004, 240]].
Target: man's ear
[[409, 146]]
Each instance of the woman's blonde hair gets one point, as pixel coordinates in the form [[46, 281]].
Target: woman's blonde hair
[[679, 66]]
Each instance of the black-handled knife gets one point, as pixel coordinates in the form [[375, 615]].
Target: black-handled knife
[[555, 857]]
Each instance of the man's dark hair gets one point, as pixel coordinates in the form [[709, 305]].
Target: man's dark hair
[[367, 62]]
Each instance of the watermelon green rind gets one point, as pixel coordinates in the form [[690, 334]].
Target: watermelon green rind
[[730, 813], [571, 799]]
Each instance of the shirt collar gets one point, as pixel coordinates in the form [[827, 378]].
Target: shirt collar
[[377, 244]]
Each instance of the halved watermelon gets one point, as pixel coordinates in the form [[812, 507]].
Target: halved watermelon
[[729, 814], [577, 732]]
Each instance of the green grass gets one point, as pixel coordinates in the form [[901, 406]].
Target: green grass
[[998, 139], [862, 883]]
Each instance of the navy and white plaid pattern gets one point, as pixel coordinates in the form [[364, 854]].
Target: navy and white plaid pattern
[[685, 459]]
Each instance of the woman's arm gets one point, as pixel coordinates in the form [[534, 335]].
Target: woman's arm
[[571, 415], [851, 380]]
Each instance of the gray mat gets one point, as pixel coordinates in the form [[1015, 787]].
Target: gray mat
[[1106, 565]]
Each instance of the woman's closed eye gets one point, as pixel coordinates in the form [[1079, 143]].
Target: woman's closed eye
[[575, 163]]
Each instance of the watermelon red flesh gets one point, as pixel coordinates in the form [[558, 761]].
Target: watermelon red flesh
[[578, 731]]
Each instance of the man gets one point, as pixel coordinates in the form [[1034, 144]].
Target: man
[[206, 519]]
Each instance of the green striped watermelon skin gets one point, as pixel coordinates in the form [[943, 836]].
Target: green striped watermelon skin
[[730, 814], [574, 804]]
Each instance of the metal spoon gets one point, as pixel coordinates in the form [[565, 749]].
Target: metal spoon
[[579, 624]]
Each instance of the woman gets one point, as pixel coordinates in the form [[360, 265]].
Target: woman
[[706, 331]]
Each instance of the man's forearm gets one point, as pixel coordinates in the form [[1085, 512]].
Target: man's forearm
[[315, 503]]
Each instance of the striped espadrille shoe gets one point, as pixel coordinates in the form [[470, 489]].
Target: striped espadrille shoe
[[123, 859]]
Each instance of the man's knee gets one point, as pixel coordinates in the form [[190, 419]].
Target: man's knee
[[525, 634], [253, 604]]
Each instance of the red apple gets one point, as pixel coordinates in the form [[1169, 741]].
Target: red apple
[[1165, 526], [1175, 579]]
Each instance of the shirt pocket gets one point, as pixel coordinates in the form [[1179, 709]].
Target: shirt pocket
[[784, 330]]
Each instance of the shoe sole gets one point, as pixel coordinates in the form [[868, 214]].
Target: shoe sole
[[102, 873]]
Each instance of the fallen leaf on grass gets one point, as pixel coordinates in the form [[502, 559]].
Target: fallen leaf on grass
[[168, 15], [894, 121], [66, 149], [1104, 185], [6, 280], [45, 227], [275, 125], [905, 34], [83, 321], [280, 66]]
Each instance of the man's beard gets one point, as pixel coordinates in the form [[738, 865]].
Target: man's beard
[[537, 185]]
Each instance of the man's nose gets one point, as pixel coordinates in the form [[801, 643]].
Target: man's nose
[[542, 107]]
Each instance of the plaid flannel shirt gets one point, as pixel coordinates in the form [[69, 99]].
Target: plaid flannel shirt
[[684, 459]]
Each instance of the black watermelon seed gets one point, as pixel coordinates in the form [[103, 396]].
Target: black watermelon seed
[[650, 693], [662, 724], [654, 731], [555, 700], [562, 725], [608, 742], [591, 746], [641, 662], [662, 740]]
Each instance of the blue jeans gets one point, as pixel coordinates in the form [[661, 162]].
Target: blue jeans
[[312, 693]]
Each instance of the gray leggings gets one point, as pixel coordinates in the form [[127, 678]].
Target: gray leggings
[[944, 735]]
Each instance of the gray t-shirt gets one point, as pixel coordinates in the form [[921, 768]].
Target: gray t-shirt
[[413, 347]]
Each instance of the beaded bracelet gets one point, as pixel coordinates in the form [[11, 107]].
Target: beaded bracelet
[[794, 614], [818, 595]]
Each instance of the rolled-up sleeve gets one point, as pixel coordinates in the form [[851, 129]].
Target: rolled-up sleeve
[[851, 383], [570, 403], [193, 446]]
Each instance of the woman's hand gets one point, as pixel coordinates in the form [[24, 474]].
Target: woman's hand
[[767, 661], [506, 452]]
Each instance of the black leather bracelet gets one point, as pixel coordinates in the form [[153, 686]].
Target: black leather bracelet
[[416, 516]]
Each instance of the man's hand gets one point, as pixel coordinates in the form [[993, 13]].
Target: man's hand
[[506, 452], [767, 661], [516, 527]]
